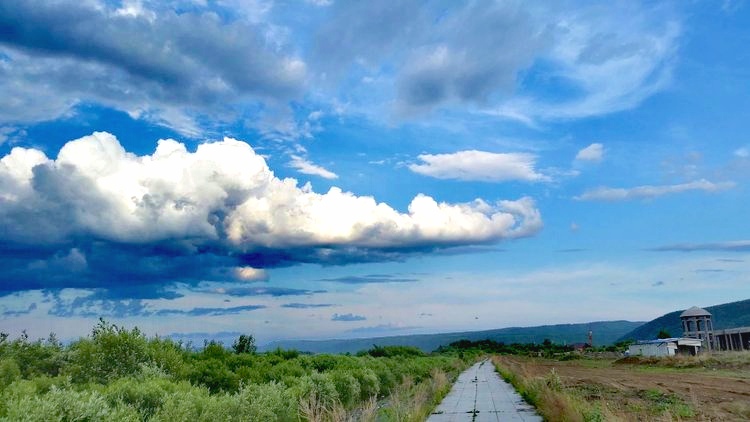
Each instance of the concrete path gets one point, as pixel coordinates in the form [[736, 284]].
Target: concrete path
[[480, 394]]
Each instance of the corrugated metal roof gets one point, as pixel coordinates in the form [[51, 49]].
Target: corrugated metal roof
[[678, 340]]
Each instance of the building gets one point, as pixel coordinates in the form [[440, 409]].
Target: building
[[697, 324], [732, 339], [666, 347]]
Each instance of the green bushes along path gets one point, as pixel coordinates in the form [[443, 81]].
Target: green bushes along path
[[121, 375]]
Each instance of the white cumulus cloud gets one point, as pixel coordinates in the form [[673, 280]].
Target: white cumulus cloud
[[483, 166], [649, 191], [224, 198]]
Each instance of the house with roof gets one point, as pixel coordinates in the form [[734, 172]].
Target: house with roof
[[666, 347]]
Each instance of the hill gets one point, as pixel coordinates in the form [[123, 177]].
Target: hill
[[605, 332], [727, 315]]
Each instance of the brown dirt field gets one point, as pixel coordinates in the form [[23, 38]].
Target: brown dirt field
[[628, 390]]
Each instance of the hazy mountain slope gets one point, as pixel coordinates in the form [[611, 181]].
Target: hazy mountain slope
[[727, 315], [605, 332]]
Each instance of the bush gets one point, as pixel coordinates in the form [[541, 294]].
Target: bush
[[185, 405], [166, 355], [119, 374], [144, 395], [391, 351], [9, 372], [318, 387], [369, 384], [347, 387], [112, 352], [213, 374], [66, 405], [267, 402]]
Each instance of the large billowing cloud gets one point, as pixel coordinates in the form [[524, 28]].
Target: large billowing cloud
[[98, 215]]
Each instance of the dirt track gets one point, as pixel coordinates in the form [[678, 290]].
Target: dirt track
[[712, 394]]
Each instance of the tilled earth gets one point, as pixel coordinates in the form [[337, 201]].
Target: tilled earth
[[637, 392]]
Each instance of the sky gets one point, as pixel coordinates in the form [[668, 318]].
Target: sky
[[335, 169]]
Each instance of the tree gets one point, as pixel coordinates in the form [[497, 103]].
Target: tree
[[663, 334], [244, 344]]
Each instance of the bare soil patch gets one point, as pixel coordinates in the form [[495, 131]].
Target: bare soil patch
[[649, 391]]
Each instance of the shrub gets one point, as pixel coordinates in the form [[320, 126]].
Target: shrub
[[144, 395], [213, 374], [66, 405], [166, 355], [9, 372], [391, 351], [319, 388], [369, 384], [112, 352], [347, 387], [184, 405], [267, 402]]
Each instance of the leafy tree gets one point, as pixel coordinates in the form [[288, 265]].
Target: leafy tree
[[663, 334], [391, 351], [245, 344], [111, 352]]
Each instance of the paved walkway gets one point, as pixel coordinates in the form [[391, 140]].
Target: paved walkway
[[480, 394]]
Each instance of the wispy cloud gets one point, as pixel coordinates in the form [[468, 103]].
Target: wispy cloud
[[18, 312], [306, 166], [347, 317], [306, 305], [593, 152], [473, 165], [261, 291], [372, 278], [97, 304], [381, 329], [205, 311], [650, 191], [732, 245]]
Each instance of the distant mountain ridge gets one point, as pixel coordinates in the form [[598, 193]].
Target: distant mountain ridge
[[604, 332], [727, 315]]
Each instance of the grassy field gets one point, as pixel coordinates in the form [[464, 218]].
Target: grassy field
[[707, 387], [116, 374]]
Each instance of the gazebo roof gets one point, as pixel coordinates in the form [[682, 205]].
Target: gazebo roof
[[695, 312]]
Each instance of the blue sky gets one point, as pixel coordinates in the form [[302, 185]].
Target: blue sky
[[320, 169]]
